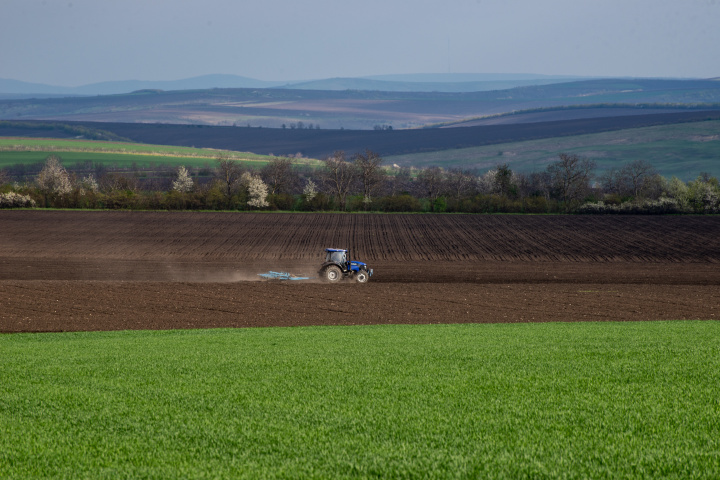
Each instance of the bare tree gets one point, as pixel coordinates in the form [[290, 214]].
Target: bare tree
[[431, 181], [570, 177], [228, 172], [638, 175], [398, 183], [338, 176], [611, 181], [369, 172], [637, 179], [540, 184], [116, 181], [279, 175], [4, 177], [460, 182]]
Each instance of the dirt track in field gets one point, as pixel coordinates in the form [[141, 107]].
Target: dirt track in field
[[66, 271]]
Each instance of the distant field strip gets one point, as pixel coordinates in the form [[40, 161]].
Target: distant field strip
[[14, 150], [31, 144], [590, 400]]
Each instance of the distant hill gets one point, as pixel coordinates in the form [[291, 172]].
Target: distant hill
[[126, 86], [366, 110], [472, 77], [391, 83], [373, 84]]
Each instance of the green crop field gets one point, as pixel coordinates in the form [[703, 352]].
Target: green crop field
[[683, 150], [15, 150], [580, 400]]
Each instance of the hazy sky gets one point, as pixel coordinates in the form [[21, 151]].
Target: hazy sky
[[76, 42]]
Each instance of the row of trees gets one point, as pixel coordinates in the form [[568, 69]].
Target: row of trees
[[361, 183]]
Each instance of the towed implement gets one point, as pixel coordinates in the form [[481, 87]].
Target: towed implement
[[282, 276]]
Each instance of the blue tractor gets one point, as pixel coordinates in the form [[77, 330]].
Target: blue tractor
[[338, 266]]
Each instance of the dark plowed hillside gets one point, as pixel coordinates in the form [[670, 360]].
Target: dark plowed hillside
[[216, 237], [321, 143]]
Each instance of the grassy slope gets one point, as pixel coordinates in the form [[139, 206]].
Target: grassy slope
[[14, 150], [683, 150], [582, 400]]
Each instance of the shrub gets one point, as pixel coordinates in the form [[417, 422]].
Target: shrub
[[536, 205], [281, 201], [16, 200], [400, 203], [663, 205]]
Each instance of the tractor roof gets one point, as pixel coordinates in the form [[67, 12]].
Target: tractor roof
[[335, 250]]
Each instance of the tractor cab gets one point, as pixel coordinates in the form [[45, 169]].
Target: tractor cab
[[336, 256]]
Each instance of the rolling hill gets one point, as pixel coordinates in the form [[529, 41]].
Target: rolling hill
[[449, 82], [680, 149], [360, 109], [680, 144]]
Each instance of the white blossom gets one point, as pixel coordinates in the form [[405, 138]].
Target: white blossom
[[486, 182], [53, 178], [15, 200], [310, 190], [89, 183], [257, 190], [183, 183]]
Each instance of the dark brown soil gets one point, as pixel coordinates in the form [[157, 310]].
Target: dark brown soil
[[69, 271], [39, 306]]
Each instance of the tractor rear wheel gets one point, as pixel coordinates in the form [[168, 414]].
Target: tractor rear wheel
[[333, 274], [362, 276]]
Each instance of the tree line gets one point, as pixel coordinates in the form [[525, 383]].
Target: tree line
[[361, 182]]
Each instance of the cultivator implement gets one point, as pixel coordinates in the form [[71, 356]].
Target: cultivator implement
[[283, 276]]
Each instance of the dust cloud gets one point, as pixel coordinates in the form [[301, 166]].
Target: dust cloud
[[199, 273]]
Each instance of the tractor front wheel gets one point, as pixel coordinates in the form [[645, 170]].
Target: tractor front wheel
[[362, 276], [333, 274]]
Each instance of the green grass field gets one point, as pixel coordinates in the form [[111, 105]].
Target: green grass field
[[583, 400], [683, 150], [14, 150]]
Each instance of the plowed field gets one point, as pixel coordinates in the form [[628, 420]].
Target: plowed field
[[125, 270]]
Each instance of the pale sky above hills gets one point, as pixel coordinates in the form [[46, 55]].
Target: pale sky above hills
[[76, 42]]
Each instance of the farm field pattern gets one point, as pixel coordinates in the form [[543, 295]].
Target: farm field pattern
[[134, 270]]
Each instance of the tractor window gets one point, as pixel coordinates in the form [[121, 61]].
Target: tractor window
[[337, 257]]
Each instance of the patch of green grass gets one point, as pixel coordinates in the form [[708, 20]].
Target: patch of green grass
[[119, 160], [585, 400], [14, 150], [683, 150]]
